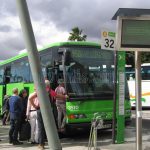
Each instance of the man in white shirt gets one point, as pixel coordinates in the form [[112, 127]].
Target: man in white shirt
[[61, 106]]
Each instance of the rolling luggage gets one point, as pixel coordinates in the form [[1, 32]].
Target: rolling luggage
[[25, 133]]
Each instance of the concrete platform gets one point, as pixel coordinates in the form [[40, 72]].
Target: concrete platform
[[79, 141]]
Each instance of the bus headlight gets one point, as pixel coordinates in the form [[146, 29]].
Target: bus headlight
[[82, 116], [77, 116]]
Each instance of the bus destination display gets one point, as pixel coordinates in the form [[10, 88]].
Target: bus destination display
[[135, 33]]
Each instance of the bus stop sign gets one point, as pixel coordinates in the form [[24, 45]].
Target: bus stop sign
[[107, 40]]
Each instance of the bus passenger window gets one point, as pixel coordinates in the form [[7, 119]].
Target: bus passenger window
[[1, 75], [20, 71], [148, 74], [46, 64], [7, 74]]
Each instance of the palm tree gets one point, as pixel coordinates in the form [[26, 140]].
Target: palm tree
[[76, 35]]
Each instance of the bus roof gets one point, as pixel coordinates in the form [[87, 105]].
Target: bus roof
[[80, 43], [146, 64]]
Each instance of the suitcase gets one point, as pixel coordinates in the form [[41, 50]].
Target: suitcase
[[25, 133]]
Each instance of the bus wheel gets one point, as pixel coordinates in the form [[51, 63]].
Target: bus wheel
[[68, 130]]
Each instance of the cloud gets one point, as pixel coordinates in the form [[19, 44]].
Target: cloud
[[53, 20], [12, 39], [5, 28], [88, 15], [48, 33]]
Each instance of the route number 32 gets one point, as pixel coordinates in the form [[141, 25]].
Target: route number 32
[[109, 43]]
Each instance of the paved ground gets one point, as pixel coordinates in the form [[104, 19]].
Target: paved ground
[[79, 139]]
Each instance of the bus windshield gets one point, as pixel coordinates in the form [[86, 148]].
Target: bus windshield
[[89, 73], [145, 72]]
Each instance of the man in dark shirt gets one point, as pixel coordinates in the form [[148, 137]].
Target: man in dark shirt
[[15, 108]]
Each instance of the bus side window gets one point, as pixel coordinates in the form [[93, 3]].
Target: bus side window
[[148, 74], [25, 71], [1, 75], [46, 64], [20, 71], [7, 74]]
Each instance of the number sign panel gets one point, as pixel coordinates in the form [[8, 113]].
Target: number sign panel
[[107, 40], [133, 34]]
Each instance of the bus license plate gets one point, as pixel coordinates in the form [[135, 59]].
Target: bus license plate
[[104, 126]]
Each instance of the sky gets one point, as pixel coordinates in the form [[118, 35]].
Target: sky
[[52, 20]]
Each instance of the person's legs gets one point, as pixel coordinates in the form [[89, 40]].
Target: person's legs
[[33, 125], [4, 119], [11, 130], [36, 132], [59, 116], [17, 123], [8, 117], [22, 121], [40, 129], [55, 113], [63, 107]]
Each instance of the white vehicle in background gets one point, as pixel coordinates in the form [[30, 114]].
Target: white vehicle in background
[[145, 77]]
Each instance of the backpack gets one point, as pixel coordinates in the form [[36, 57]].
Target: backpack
[[25, 132]]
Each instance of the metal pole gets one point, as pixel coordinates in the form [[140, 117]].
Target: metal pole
[[64, 68], [115, 99], [49, 123], [138, 100]]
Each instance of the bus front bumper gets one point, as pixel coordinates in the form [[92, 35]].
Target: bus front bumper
[[107, 124]]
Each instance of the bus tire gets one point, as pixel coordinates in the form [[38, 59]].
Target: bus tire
[[68, 130]]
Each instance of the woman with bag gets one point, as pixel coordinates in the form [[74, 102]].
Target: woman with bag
[[25, 129]]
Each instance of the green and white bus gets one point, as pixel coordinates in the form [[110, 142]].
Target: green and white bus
[[88, 72], [145, 85]]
